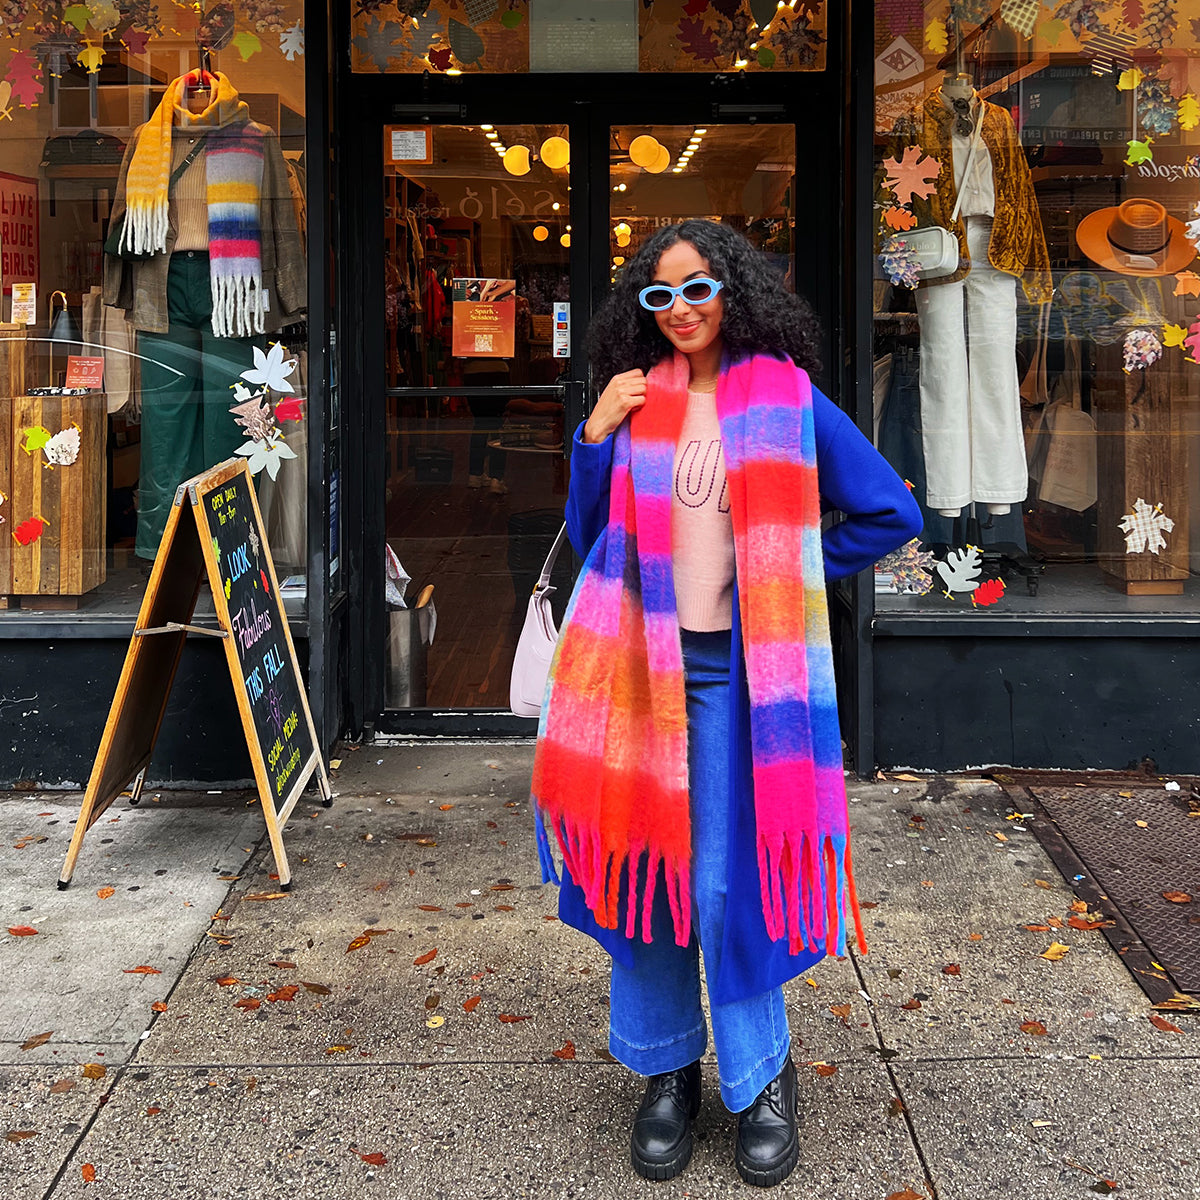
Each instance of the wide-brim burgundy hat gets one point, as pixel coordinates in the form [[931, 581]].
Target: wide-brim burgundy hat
[[1138, 237]]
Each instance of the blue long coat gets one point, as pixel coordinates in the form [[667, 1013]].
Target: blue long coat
[[880, 514]]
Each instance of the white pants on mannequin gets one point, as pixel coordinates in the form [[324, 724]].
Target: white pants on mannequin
[[970, 405]]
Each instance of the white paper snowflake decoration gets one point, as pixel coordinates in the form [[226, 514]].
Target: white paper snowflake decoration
[[960, 571], [1144, 528], [63, 448]]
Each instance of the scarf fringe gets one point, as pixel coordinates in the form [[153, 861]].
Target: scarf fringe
[[145, 229], [237, 306], [599, 873], [810, 893]]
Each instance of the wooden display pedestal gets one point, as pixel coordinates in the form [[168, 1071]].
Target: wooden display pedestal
[[1142, 454], [68, 559]]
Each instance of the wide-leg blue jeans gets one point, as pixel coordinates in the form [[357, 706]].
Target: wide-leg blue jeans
[[656, 1022]]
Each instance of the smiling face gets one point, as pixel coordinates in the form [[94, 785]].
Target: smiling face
[[690, 328]]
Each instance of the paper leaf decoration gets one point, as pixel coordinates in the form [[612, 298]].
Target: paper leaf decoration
[[5, 97], [253, 416], [290, 409], [694, 8], [3, 497], [247, 44], [29, 531], [1142, 348], [1022, 15], [1139, 152], [441, 58], [898, 218], [900, 263], [63, 448], [36, 436], [272, 369], [988, 593], [1173, 335], [1192, 341], [1144, 528], [911, 568], [1193, 227], [1050, 31], [77, 15], [1188, 112], [912, 175], [105, 16], [960, 571], [291, 42], [466, 43], [698, 41], [479, 11], [22, 75], [91, 57], [267, 452], [1187, 283], [936, 38], [1129, 79], [135, 40], [1131, 12]]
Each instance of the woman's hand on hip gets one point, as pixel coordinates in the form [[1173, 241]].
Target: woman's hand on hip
[[624, 394]]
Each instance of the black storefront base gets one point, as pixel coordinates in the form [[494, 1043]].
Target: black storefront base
[[1072, 694], [56, 696]]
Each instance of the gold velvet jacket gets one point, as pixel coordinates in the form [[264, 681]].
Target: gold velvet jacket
[[1018, 245]]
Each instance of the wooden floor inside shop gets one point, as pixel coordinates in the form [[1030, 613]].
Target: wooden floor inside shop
[[482, 550]]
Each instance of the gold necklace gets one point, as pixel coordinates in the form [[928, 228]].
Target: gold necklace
[[696, 385]]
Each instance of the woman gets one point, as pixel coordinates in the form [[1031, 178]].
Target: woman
[[689, 759]]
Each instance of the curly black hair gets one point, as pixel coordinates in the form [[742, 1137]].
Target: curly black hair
[[761, 314]]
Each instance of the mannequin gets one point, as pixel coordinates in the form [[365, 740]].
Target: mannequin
[[204, 192], [970, 407]]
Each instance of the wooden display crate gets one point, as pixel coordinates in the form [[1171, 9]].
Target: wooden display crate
[[1142, 419], [69, 557]]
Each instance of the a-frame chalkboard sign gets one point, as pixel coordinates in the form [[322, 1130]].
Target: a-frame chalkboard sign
[[214, 530]]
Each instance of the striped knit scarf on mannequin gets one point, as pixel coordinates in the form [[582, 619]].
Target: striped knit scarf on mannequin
[[233, 156]]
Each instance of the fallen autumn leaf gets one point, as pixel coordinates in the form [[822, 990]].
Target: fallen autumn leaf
[[22, 930], [422, 959], [1163, 1024], [567, 1052], [512, 1018], [94, 1071], [1036, 1028], [89, 1173], [375, 1159], [38, 1039], [1174, 897], [19, 1135], [1055, 951], [142, 970], [106, 892], [472, 1004]]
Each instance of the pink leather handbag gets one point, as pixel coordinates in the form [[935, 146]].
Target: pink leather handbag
[[535, 647]]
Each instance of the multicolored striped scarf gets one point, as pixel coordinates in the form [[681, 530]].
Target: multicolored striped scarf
[[611, 772], [234, 164]]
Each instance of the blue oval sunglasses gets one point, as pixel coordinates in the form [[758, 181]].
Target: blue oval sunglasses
[[658, 296]]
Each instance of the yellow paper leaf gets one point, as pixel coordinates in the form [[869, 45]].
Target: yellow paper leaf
[[935, 36], [1129, 79], [1188, 112], [1173, 335], [1056, 951]]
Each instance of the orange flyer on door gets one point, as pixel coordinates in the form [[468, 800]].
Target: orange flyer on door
[[84, 372], [484, 318]]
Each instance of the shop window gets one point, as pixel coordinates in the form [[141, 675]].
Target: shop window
[[1036, 304], [456, 37], [152, 226]]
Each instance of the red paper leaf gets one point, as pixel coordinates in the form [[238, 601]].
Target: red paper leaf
[[23, 73], [1192, 341], [290, 409], [1132, 13], [694, 8], [898, 218], [22, 930], [697, 40], [441, 58], [988, 592], [29, 531]]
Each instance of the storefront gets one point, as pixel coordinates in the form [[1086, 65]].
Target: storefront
[[436, 196]]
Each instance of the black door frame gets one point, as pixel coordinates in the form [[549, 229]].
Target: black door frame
[[590, 105]]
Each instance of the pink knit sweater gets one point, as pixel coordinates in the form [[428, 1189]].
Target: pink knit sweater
[[701, 525]]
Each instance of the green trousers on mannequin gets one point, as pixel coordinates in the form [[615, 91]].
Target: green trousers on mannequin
[[187, 380]]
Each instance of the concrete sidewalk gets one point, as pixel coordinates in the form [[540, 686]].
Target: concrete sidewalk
[[461, 1051]]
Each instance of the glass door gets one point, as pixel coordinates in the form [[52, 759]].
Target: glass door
[[478, 358]]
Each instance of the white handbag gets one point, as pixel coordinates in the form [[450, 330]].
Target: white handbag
[[535, 647], [936, 248]]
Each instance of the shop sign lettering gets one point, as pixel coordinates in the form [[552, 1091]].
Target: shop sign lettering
[[19, 211]]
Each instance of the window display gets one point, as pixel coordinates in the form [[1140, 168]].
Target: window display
[[154, 284], [1039, 390]]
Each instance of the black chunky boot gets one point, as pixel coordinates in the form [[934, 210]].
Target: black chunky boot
[[768, 1143], [661, 1143]]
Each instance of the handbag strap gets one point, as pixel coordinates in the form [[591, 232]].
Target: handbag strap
[[544, 579], [189, 158], [970, 159]]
